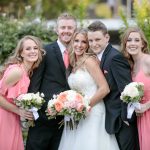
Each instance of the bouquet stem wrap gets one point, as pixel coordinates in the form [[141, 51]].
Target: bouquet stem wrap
[[69, 121], [131, 107], [34, 110]]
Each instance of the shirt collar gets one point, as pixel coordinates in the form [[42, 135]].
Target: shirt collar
[[101, 54], [61, 46]]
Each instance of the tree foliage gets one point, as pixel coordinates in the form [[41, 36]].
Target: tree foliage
[[32, 23], [12, 30], [48, 9], [141, 13]]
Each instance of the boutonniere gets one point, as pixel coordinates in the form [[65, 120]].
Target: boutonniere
[[105, 71]]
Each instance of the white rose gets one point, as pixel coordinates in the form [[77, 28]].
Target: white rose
[[51, 103], [133, 84], [71, 95], [28, 96], [131, 91], [39, 100], [140, 83], [42, 95]]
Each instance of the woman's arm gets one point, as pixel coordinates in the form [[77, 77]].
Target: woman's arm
[[11, 79], [145, 106], [13, 108], [95, 71]]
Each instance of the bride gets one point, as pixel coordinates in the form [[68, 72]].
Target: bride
[[87, 78]]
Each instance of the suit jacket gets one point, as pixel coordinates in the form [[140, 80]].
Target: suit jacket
[[50, 77], [117, 73]]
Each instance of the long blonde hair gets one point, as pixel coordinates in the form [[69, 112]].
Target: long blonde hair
[[72, 57], [16, 57]]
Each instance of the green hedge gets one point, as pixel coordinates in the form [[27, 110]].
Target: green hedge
[[12, 30]]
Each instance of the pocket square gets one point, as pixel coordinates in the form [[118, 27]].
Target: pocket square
[[105, 71]]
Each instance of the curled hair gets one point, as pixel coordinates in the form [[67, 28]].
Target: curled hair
[[72, 57], [16, 57], [124, 38]]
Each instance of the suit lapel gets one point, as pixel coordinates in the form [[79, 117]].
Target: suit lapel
[[59, 56], [108, 48]]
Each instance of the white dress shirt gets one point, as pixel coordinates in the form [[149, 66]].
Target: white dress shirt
[[62, 47], [100, 55]]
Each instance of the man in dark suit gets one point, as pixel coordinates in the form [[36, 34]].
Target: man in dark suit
[[50, 78], [117, 72]]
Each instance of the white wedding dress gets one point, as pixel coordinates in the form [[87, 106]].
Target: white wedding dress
[[90, 133]]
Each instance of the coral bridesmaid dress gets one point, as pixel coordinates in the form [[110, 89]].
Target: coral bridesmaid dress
[[144, 120], [10, 129]]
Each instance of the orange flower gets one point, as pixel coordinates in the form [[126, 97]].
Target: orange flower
[[62, 97], [58, 105]]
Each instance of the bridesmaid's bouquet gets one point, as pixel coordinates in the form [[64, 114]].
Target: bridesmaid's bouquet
[[132, 94], [71, 104], [31, 102]]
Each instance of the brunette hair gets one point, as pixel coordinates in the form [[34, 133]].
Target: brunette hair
[[98, 26], [124, 38]]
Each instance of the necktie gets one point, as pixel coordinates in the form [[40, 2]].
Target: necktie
[[66, 58]]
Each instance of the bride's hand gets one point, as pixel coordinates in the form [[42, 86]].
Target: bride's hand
[[88, 110]]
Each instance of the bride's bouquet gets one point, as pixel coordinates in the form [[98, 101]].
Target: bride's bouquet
[[31, 102], [132, 94], [72, 105]]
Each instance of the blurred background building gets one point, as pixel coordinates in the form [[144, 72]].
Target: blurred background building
[[50, 9], [38, 18]]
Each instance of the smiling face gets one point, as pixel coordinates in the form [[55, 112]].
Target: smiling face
[[134, 43], [80, 44], [30, 51], [97, 41], [65, 29]]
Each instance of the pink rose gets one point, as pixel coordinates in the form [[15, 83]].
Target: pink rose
[[58, 106], [80, 107], [50, 112], [79, 98], [73, 104]]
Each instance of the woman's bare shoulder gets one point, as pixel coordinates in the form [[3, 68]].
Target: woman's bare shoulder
[[14, 75]]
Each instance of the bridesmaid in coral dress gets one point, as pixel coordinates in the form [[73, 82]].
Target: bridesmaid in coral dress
[[135, 48], [15, 81]]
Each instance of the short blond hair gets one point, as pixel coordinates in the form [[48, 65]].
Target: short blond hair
[[66, 16]]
